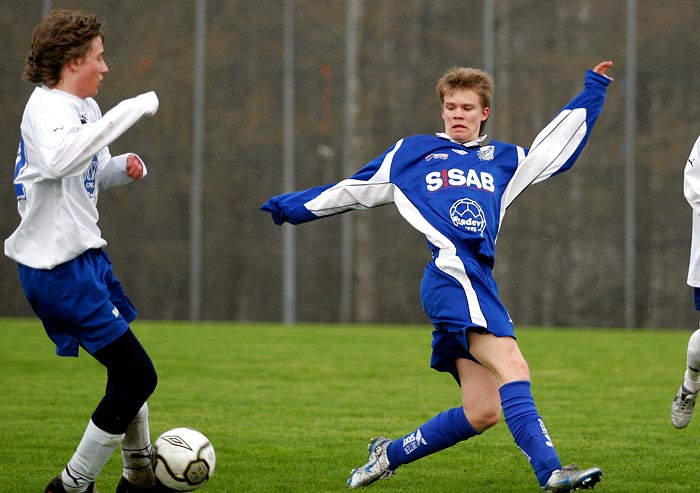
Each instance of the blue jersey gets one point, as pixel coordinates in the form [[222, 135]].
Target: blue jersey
[[456, 195]]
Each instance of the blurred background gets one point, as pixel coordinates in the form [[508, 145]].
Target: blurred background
[[266, 96]]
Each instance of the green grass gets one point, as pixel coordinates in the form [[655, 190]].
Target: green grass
[[291, 408]]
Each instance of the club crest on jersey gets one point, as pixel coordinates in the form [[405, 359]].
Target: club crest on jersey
[[437, 155], [468, 214], [90, 178], [485, 153]]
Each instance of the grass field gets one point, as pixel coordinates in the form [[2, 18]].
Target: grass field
[[291, 408]]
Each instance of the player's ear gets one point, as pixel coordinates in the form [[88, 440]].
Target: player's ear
[[74, 64], [485, 113]]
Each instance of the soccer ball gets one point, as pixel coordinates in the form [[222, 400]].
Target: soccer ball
[[184, 459]]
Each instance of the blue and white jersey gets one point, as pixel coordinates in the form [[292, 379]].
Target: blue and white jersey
[[62, 163], [455, 194]]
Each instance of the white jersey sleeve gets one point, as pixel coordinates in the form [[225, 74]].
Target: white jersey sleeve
[[113, 172], [62, 152], [691, 190], [65, 148]]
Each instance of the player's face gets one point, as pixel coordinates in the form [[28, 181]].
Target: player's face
[[91, 70], [462, 113]]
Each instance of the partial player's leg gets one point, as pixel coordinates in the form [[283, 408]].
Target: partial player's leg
[[684, 401], [131, 379], [138, 476], [481, 410], [94, 449], [503, 357]]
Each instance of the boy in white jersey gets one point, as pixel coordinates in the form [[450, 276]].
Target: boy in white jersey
[[684, 401], [62, 164]]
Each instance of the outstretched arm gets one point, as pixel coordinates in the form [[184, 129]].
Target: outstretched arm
[[65, 151], [369, 187], [557, 146]]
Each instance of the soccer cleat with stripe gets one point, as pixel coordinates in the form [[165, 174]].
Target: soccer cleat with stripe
[[56, 486], [572, 478], [682, 407], [377, 466]]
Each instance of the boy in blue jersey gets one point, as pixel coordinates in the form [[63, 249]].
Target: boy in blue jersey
[[684, 400], [62, 164], [455, 189]]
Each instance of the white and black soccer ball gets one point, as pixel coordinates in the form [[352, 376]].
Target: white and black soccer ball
[[184, 459]]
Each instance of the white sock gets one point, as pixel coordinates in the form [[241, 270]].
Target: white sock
[[92, 454], [136, 451], [691, 379]]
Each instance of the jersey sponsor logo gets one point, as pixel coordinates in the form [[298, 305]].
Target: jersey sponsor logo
[[461, 152], [83, 118], [413, 441], [485, 153], [115, 312], [455, 177], [90, 178], [437, 155], [468, 214]]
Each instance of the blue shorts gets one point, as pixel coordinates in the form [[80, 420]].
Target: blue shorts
[[79, 302], [460, 295]]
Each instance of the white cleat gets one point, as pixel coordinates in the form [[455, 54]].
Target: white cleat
[[572, 478], [682, 407], [377, 466]]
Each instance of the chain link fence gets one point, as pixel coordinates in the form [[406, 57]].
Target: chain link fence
[[261, 97]]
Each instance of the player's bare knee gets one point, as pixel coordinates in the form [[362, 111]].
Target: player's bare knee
[[491, 418], [519, 369], [483, 417]]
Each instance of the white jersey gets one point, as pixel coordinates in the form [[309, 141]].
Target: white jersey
[[691, 190], [62, 163]]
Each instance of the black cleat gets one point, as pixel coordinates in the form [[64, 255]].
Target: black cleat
[[56, 486]]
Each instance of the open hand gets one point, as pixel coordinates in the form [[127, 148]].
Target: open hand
[[602, 68]]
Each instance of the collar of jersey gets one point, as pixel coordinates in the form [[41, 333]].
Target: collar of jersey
[[473, 143]]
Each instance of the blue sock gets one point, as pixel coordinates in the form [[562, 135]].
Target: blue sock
[[527, 428], [438, 433]]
